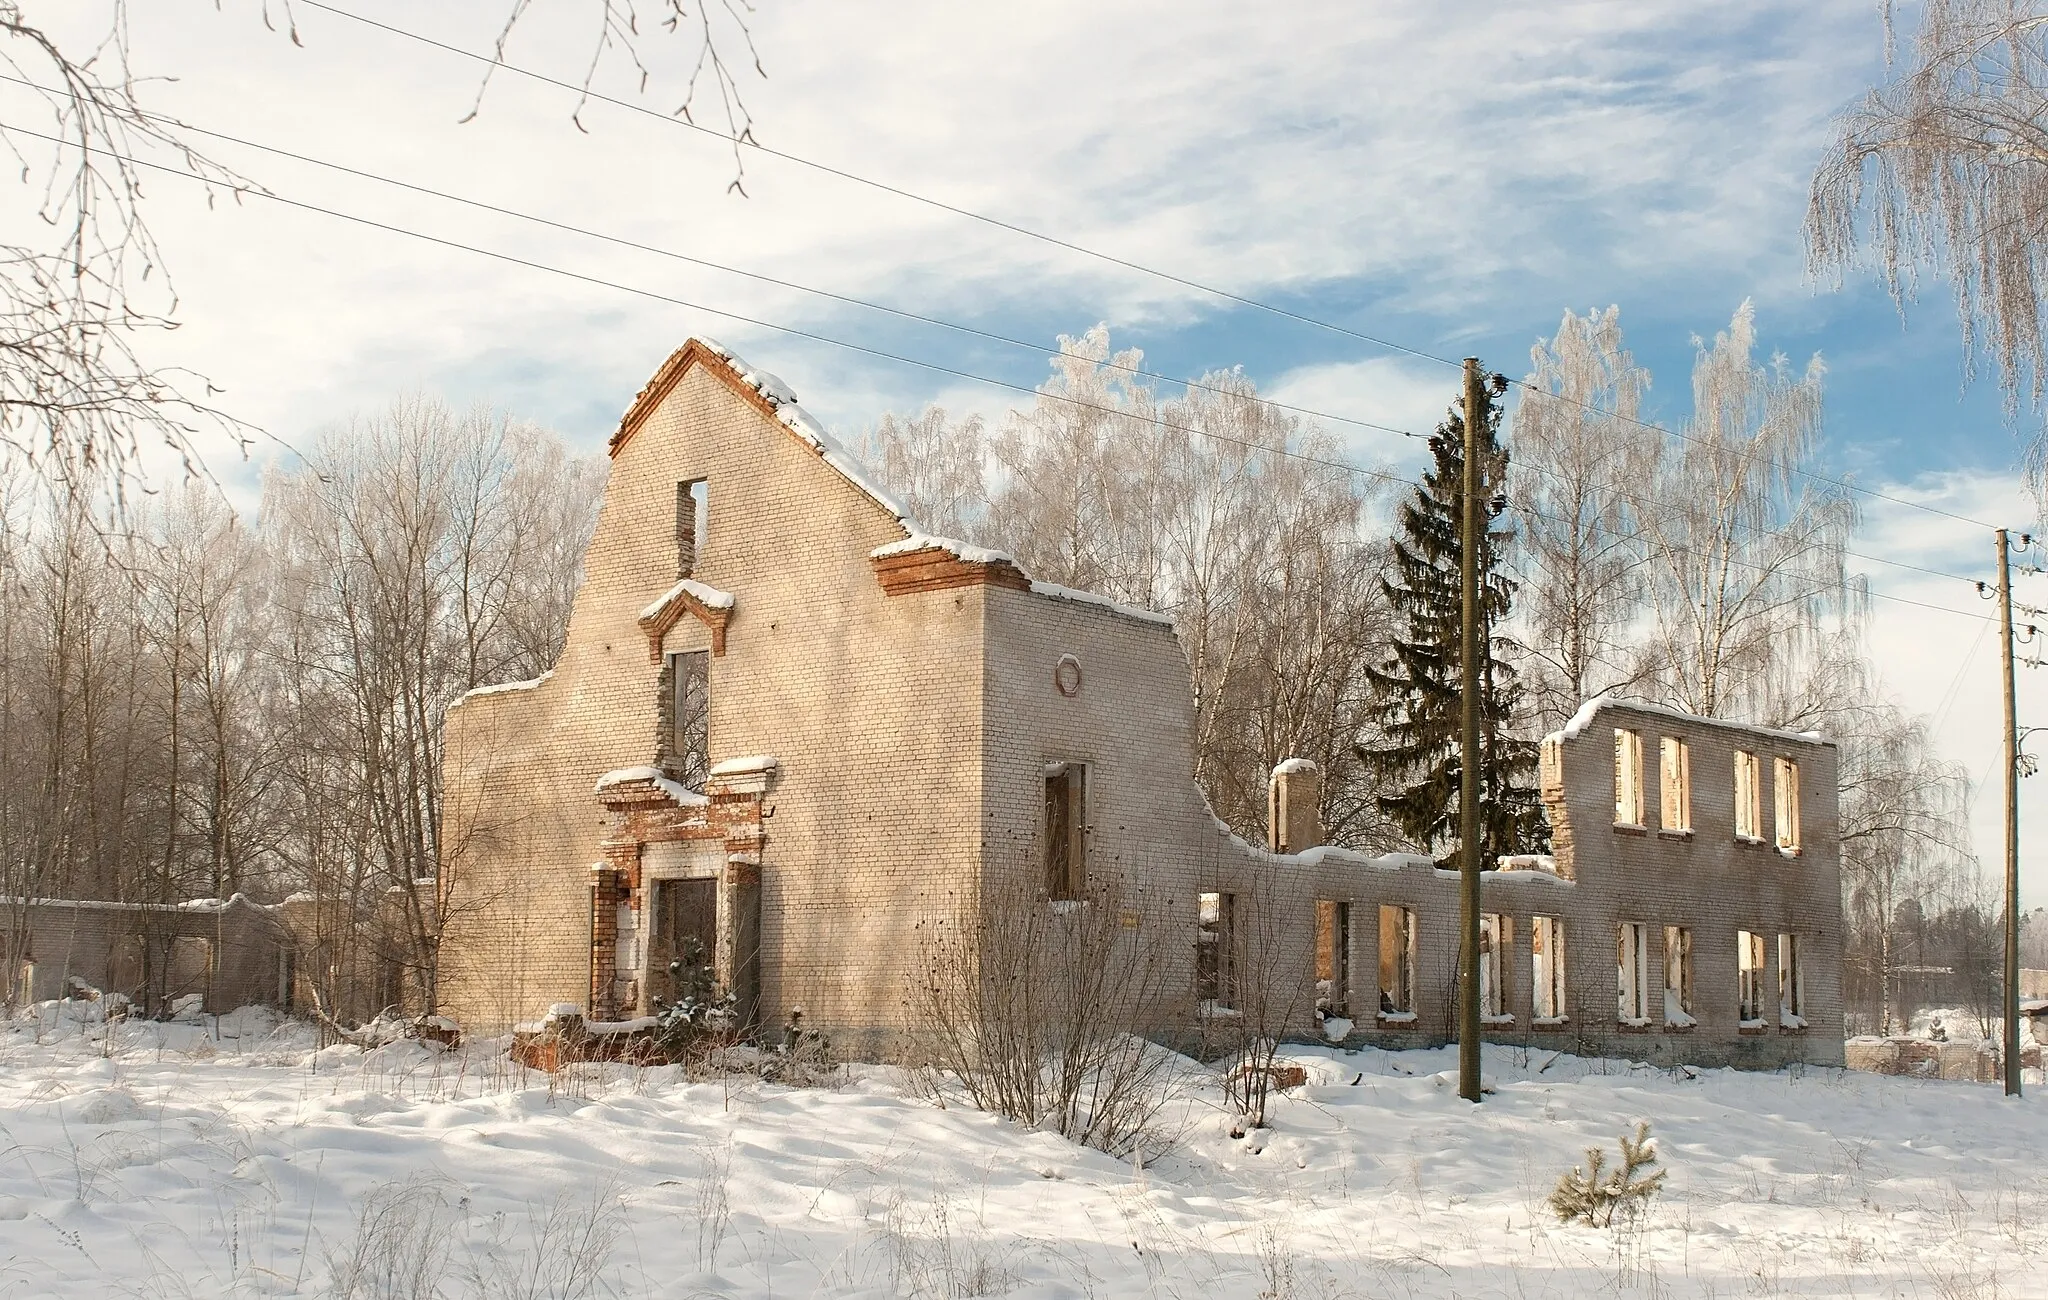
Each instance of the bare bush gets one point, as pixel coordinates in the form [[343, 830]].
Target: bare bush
[[1038, 1010]]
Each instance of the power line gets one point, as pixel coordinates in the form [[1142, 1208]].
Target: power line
[[588, 233], [513, 259], [1111, 363], [586, 92]]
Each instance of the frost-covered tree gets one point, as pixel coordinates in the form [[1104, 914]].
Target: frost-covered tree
[[1420, 688], [1743, 553], [1944, 169], [1579, 462]]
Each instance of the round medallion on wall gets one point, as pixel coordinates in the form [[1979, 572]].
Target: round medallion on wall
[[1066, 676]]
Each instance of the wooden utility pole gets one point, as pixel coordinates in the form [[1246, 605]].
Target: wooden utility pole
[[1469, 658], [2012, 826]]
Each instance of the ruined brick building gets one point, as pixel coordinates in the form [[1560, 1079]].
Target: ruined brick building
[[791, 726]]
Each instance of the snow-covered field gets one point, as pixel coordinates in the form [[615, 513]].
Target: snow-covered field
[[233, 1159]]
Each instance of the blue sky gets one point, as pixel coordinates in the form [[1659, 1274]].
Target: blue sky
[[1450, 176]]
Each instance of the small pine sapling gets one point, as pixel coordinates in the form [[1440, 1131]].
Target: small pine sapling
[[1597, 1194]]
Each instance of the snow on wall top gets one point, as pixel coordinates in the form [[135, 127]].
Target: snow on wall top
[[655, 777], [703, 593], [504, 688], [1587, 711], [747, 763], [780, 398], [1058, 592], [1289, 766], [960, 550]]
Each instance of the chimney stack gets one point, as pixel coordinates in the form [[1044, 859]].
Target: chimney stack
[[1294, 819]]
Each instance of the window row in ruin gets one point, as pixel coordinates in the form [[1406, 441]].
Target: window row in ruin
[[1674, 793], [1638, 989]]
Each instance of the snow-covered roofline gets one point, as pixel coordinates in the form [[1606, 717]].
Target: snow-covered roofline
[[774, 396], [504, 688], [1591, 708], [703, 593], [780, 400]]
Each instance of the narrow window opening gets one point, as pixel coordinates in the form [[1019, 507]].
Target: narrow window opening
[[1496, 945], [1785, 788], [1397, 963], [1674, 794], [692, 498], [1066, 831], [1633, 970], [1749, 979], [1749, 815], [1678, 1012], [1333, 958], [1791, 984], [1215, 953], [1628, 778], [1546, 968], [690, 718]]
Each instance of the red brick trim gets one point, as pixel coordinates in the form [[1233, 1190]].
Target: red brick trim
[[671, 373], [656, 627], [934, 568]]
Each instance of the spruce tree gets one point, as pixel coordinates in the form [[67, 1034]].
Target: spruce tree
[[1420, 687]]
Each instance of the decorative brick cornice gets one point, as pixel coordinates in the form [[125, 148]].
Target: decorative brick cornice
[[692, 353], [934, 568], [657, 621]]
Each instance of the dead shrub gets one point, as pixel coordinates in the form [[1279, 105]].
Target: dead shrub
[[1040, 1010]]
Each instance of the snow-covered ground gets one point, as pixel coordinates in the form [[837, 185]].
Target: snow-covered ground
[[233, 1159]]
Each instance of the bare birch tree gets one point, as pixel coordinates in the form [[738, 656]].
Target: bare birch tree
[[1944, 169], [1743, 556], [1580, 463]]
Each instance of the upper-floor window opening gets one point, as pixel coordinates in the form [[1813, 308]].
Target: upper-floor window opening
[[692, 500], [1749, 979], [1546, 967], [1674, 794], [1215, 952], [1628, 778], [1397, 962], [1749, 810], [1785, 792], [1632, 962], [690, 717], [1066, 831]]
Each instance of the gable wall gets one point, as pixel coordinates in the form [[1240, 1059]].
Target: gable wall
[[870, 706]]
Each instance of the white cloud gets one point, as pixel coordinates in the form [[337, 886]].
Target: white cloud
[[1399, 392], [1946, 665]]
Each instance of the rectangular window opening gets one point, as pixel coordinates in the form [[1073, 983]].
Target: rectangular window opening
[[1333, 958], [1066, 831], [1678, 1013], [1546, 967], [1749, 979], [690, 718], [692, 500], [1628, 778], [1632, 962], [1791, 984], [1215, 952], [1397, 962], [1749, 813], [1496, 947], [1674, 794], [1785, 789]]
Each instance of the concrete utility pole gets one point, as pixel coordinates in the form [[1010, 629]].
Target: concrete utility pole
[[1469, 659], [2012, 826]]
